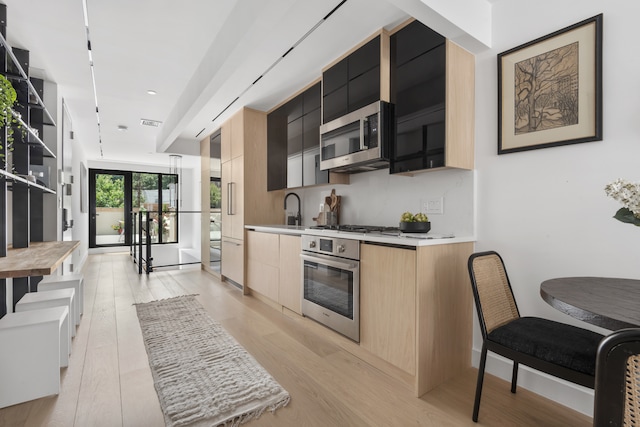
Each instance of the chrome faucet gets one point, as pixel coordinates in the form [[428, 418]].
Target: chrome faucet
[[298, 218]]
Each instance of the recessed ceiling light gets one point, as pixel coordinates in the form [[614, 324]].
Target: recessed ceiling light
[[151, 92], [122, 128]]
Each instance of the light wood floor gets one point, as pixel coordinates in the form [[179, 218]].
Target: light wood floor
[[108, 382]]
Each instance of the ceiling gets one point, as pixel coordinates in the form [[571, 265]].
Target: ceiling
[[198, 55]]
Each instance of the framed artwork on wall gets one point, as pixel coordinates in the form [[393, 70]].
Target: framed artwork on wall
[[550, 89]]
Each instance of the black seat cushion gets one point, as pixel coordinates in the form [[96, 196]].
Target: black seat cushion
[[565, 345]]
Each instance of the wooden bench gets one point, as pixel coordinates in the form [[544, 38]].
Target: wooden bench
[[34, 347]]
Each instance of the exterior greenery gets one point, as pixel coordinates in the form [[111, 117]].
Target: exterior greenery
[[109, 191]]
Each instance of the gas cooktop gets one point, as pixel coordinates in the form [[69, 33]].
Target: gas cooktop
[[357, 228], [379, 230]]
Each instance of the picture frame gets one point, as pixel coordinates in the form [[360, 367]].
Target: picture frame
[[550, 89]]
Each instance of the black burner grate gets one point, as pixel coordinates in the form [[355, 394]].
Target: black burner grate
[[356, 228]]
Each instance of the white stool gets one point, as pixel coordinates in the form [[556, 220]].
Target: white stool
[[75, 281], [55, 298], [34, 347]]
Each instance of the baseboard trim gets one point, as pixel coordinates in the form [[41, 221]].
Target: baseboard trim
[[576, 397]]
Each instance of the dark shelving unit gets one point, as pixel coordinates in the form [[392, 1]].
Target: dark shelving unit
[[28, 153]]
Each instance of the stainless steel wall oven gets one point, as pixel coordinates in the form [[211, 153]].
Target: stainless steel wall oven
[[331, 283]]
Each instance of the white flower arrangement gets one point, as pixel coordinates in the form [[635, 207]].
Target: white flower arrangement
[[628, 194]]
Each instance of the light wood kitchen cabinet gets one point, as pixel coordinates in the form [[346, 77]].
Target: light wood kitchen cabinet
[[415, 311], [290, 292], [387, 304], [245, 199], [232, 144], [274, 268], [232, 255], [232, 198], [263, 263]]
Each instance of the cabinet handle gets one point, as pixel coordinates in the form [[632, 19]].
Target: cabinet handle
[[349, 266], [230, 198]]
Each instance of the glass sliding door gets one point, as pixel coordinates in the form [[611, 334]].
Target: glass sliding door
[[144, 193], [156, 195], [108, 208], [169, 200], [114, 195]]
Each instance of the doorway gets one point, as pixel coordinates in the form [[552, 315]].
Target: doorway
[[114, 195], [108, 207]]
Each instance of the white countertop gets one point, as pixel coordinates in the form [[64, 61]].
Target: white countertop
[[406, 239]]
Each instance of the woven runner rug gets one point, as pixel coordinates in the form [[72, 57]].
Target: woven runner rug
[[200, 372]]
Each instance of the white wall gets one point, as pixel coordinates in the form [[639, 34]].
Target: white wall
[[545, 210], [80, 229]]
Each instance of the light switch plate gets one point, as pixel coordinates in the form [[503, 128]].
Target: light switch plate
[[434, 206]]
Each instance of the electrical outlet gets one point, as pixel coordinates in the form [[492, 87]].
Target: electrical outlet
[[434, 206]]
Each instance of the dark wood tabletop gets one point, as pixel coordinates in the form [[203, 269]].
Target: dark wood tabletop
[[610, 303]]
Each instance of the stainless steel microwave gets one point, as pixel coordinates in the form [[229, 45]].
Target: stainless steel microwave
[[358, 141]]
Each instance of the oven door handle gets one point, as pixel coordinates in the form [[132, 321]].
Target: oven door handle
[[330, 263]]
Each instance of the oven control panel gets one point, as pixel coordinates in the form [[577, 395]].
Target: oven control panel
[[345, 248]]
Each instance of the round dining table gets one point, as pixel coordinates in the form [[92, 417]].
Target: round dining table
[[611, 303]]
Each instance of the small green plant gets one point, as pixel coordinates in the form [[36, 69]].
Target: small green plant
[[409, 217], [8, 98]]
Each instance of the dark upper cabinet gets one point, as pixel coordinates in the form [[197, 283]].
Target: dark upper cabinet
[[277, 150], [421, 82], [311, 130], [335, 104], [335, 77], [293, 142], [311, 173], [364, 59], [294, 108], [355, 81], [412, 41], [312, 99], [364, 89], [418, 73], [432, 87], [294, 153]]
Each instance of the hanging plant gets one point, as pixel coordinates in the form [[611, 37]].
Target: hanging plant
[[8, 98]]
